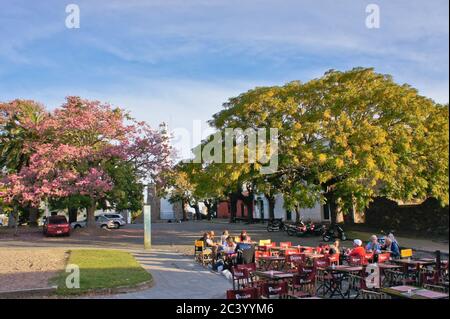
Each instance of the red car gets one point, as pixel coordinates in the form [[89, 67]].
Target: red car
[[56, 225]]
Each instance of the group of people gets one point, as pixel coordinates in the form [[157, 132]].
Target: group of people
[[226, 243], [374, 246]]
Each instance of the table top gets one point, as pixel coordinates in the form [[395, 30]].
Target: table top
[[273, 274], [388, 266], [345, 268], [314, 255], [411, 292], [414, 261], [274, 258]]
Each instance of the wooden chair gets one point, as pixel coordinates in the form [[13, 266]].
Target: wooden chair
[[202, 254], [369, 294]]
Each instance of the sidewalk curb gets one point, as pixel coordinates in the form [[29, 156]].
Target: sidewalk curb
[[28, 292]]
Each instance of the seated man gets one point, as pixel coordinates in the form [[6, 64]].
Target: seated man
[[373, 245], [358, 250], [393, 247]]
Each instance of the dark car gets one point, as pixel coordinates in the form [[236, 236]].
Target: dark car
[[56, 226]]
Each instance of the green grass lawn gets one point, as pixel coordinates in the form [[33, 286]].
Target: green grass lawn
[[101, 269]]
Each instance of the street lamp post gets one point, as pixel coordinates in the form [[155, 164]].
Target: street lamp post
[[147, 220], [147, 227]]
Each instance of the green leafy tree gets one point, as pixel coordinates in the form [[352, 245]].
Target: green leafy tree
[[355, 134]]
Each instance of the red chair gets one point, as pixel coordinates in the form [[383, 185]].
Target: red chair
[[333, 259], [355, 261], [321, 263], [368, 258], [293, 261], [260, 253], [291, 251], [305, 279], [241, 277], [285, 244], [274, 290], [246, 293], [383, 257], [250, 267]]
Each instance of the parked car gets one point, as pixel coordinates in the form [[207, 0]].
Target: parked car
[[101, 222], [56, 225], [116, 218]]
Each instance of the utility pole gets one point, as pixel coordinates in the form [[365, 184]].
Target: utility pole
[[147, 221]]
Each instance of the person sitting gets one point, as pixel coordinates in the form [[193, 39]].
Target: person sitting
[[244, 234], [224, 237], [245, 250], [334, 248], [358, 250], [209, 243], [373, 245], [229, 245], [392, 247]]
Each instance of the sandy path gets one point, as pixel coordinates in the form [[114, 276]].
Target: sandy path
[[29, 268]]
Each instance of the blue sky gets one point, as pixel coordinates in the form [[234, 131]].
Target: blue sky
[[179, 60]]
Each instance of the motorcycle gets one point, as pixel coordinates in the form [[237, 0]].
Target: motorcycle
[[312, 229], [298, 229], [333, 232], [275, 225]]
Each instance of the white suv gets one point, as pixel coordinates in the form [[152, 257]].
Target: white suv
[[117, 219]]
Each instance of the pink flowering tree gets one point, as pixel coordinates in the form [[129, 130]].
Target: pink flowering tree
[[90, 143]]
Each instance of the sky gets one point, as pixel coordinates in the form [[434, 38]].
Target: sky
[[177, 61]]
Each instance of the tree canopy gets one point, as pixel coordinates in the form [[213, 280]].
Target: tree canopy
[[357, 134]]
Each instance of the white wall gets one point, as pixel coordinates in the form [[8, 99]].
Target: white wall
[[166, 211], [314, 214]]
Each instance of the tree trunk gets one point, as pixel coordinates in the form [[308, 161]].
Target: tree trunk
[[184, 204], [33, 216], [233, 207], [73, 213], [90, 215], [271, 201], [13, 220], [297, 214], [250, 208]]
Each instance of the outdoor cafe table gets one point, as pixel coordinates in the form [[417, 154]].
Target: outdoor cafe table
[[415, 262], [382, 268], [411, 292], [273, 275], [267, 262], [338, 274]]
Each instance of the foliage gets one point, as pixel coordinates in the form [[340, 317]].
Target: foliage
[[357, 134]]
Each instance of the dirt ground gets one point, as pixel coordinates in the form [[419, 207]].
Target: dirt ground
[[27, 269]]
